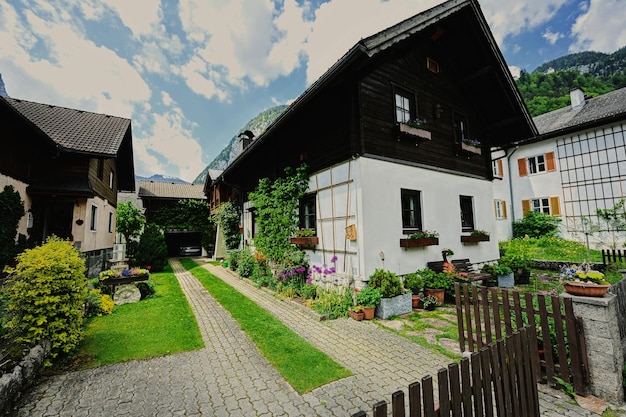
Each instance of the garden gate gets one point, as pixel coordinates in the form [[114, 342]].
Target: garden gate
[[498, 380], [553, 328]]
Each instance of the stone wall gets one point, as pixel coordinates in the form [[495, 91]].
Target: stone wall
[[23, 375], [605, 354]]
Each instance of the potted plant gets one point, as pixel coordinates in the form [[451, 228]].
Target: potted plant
[[369, 298], [435, 284], [502, 272], [419, 239], [414, 283], [356, 312], [394, 301], [520, 264], [430, 302], [582, 280]]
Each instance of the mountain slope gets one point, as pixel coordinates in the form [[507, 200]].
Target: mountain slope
[[232, 150]]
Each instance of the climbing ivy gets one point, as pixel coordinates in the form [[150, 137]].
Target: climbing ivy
[[188, 215], [276, 203], [228, 217]]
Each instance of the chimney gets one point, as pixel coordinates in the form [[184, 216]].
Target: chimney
[[245, 139], [577, 97]]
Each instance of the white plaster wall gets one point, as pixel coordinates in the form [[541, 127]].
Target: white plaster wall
[[20, 187], [380, 221], [543, 184], [100, 238], [502, 191]]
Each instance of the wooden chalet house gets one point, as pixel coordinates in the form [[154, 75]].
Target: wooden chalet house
[[374, 178], [68, 166]]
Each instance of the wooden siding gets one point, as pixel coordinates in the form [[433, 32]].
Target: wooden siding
[[101, 184], [437, 99]]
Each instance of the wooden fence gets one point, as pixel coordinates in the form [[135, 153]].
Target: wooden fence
[[498, 380], [486, 314], [613, 256]]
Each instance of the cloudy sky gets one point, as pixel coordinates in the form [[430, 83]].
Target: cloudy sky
[[191, 73]]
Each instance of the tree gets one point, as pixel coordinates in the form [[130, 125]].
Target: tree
[[151, 250], [11, 211], [190, 215], [130, 221]]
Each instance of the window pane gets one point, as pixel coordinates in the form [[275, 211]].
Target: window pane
[[411, 209], [467, 213]]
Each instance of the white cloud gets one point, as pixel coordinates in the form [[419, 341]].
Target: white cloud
[[551, 37], [140, 19], [515, 71], [601, 28]]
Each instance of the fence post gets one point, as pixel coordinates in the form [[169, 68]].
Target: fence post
[[603, 341]]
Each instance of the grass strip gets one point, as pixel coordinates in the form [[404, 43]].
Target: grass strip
[[159, 325], [301, 364]]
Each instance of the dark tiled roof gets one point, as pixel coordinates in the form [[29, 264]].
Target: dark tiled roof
[[170, 190], [75, 130], [596, 110]]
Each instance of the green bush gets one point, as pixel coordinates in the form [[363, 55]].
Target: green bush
[[414, 283], [97, 304], [151, 249], [332, 303], [387, 282], [146, 288], [232, 256], [46, 291], [245, 263], [536, 224], [368, 297]]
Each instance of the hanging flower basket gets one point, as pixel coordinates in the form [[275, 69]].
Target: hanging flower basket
[[405, 129], [308, 241]]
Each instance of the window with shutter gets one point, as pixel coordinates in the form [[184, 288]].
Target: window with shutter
[[522, 166]]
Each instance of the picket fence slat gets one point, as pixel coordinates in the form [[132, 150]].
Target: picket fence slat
[[495, 381], [479, 310]]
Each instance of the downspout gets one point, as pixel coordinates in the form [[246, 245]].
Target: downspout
[[512, 208]]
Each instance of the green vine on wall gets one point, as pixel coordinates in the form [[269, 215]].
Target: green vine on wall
[[276, 204], [228, 217]]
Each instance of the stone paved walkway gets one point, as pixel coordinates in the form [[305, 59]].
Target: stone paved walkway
[[229, 377]]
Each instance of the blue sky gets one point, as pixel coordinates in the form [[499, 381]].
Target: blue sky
[[191, 73]]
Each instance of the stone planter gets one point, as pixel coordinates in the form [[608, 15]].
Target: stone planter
[[506, 281], [394, 306]]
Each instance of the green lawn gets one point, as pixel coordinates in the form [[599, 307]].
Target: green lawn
[[302, 365], [159, 325]]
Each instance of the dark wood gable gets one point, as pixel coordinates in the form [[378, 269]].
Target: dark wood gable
[[445, 59]]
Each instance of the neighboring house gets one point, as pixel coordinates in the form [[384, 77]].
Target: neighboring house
[[373, 179], [576, 165], [68, 166], [155, 195]]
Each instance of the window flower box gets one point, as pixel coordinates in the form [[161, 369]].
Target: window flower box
[[305, 240], [474, 238], [419, 242], [466, 147], [405, 129]]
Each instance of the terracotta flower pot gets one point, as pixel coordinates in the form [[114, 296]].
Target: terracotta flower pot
[[369, 312], [437, 293], [358, 316], [586, 289], [415, 301]]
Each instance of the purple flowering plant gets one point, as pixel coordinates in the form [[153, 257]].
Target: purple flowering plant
[[419, 123], [323, 270], [471, 142]]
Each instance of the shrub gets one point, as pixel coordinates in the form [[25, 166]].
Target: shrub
[[414, 283], [232, 256], [308, 291], [46, 291], [436, 280], [536, 224], [368, 297], [387, 281], [228, 218], [97, 304], [151, 249], [245, 263], [332, 303], [146, 288]]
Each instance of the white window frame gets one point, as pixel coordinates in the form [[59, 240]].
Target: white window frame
[[536, 164], [541, 204], [495, 167], [499, 209], [402, 107]]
